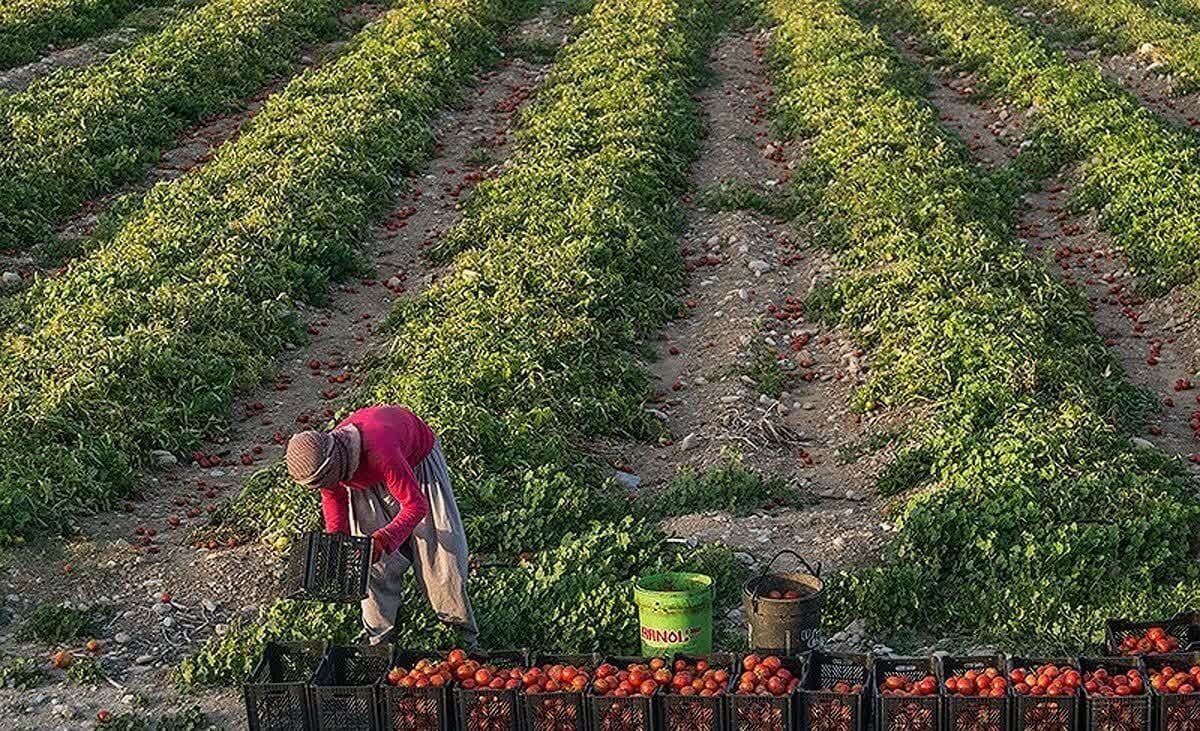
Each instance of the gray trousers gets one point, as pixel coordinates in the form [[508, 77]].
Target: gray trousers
[[438, 547]]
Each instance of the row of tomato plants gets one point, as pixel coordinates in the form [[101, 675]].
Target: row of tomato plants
[[561, 264], [1135, 168], [143, 342], [1023, 485], [1126, 25], [29, 28], [76, 133]]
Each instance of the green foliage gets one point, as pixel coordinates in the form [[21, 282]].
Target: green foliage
[[188, 301], [767, 373], [739, 196], [58, 623], [86, 671], [21, 673], [1038, 501], [561, 264], [731, 487], [79, 132], [1137, 169], [30, 28]]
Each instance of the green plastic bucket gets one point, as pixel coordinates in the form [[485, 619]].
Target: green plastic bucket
[[675, 611]]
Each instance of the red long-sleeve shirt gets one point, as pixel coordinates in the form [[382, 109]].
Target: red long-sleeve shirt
[[394, 440]]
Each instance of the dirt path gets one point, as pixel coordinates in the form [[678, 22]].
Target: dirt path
[[135, 26], [1150, 337], [129, 558], [744, 330], [193, 147]]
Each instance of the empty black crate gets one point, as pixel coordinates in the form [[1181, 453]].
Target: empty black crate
[[1116, 713], [490, 709], [696, 712], [822, 708], [907, 713], [563, 710], [1174, 711], [343, 688], [414, 709], [276, 692], [329, 567], [1184, 627], [974, 712], [631, 713], [1043, 712], [753, 712]]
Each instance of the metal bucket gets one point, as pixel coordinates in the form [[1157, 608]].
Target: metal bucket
[[785, 625]]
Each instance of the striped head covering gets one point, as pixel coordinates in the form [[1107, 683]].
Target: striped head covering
[[323, 459]]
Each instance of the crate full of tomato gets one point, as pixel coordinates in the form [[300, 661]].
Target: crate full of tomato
[[693, 697], [1116, 696], [1175, 684], [975, 693], [553, 692], [1045, 693], [622, 694], [907, 696], [1157, 637], [835, 692]]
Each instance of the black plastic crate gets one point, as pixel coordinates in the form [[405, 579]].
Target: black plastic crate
[[1174, 711], [752, 712], [907, 713], [329, 567], [632, 713], [696, 712], [564, 710], [821, 709], [491, 709], [343, 688], [276, 693], [414, 709], [1184, 627], [974, 713], [1043, 712], [1121, 713]]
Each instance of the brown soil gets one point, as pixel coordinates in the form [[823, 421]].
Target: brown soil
[[750, 272], [210, 587]]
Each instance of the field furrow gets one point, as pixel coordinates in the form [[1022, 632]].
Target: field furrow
[[1022, 483], [141, 344], [82, 132]]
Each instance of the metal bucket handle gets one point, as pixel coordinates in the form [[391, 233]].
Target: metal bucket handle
[[754, 596]]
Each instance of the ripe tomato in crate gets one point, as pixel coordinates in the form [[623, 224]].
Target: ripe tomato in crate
[[907, 694], [1115, 694], [975, 693], [694, 692], [1158, 637], [834, 692], [622, 694], [1175, 680], [553, 692], [1045, 693], [485, 690], [414, 694]]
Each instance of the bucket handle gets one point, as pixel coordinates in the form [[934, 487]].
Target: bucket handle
[[754, 596]]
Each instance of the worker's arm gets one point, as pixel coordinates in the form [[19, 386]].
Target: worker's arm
[[403, 485], [335, 505]]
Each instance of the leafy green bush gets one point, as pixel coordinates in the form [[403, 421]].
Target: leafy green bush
[[30, 28], [731, 487], [58, 623], [21, 673], [141, 344], [1038, 501], [86, 671]]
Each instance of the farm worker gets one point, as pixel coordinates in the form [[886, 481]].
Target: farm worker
[[381, 473]]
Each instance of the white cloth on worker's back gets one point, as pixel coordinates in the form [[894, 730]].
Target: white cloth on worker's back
[[438, 548]]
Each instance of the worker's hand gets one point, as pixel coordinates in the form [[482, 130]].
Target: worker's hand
[[377, 551]]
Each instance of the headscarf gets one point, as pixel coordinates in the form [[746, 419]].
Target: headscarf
[[323, 459]]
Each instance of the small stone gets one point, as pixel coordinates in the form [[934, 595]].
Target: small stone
[[730, 399], [1143, 443], [221, 629], [122, 638], [209, 605], [162, 458], [163, 608], [689, 442], [743, 294], [628, 479], [168, 622], [759, 267], [10, 279], [143, 660]]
